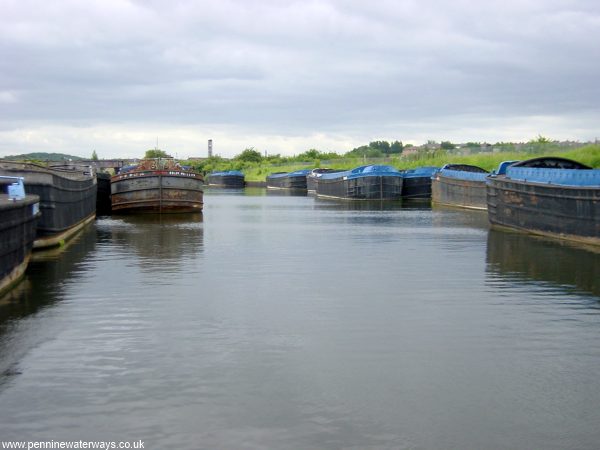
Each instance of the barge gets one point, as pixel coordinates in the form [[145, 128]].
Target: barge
[[313, 177], [293, 181], [460, 185], [549, 196], [19, 214], [373, 182], [67, 198], [157, 185], [232, 179], [417, 182]]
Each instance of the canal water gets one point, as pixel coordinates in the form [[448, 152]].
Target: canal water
[[282, 322]]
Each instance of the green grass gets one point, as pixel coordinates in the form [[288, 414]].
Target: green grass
[[589, 155]]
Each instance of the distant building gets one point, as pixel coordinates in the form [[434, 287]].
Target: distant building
[[407, 151]]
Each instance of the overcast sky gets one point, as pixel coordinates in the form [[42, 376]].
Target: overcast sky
[[285, 76]]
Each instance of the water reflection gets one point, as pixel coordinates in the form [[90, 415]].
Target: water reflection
[[369, 205], [287, 193], [255, 191], [517, 256], [444, 216], [224, 191], [47, 276], [164, 242]]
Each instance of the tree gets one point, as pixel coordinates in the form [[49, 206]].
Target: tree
[[383, 146], [156, 153], [366, 151], [309, 155], [540, 140], [396, 147], [94, 156], [249, 155], [447, 145]]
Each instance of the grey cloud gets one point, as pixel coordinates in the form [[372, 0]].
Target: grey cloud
[[297, 67]]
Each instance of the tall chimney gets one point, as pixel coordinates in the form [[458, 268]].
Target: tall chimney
[[210, 148]]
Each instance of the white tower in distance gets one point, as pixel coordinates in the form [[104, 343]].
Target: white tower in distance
[[210, 148]]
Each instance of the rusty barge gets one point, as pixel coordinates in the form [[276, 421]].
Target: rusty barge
[[158, 185], [549, 196]]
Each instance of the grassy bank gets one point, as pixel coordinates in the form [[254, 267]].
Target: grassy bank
[[589, 155]]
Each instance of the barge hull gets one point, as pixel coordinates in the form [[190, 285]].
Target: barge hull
[[231, 182], [361, 188], [297, 183], [563, 212], [18, 229], [157, 192], [460, 193], [416, 187], [66, 197]]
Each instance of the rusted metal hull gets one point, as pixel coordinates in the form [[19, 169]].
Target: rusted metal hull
[[564, 212], [67, 196], [460, 193], [157, 191], [378, 187], [18, 221]]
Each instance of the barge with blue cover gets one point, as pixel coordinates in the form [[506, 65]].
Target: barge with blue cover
[[19, 213], [293, 181], [548, 196], [67, 198], [313, 177], [417, 182], [232, 179], [460, 185], [372, 182], [158, 185]]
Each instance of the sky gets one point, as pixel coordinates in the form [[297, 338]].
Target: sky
[[120, 77]]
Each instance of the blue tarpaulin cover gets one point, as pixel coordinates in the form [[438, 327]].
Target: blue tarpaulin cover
[[227, 173], [463, 174], [420, 172], [563, 177], [364, 171], [297, 173]]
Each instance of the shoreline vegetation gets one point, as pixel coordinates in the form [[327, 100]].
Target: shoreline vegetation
[[256, 167]]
